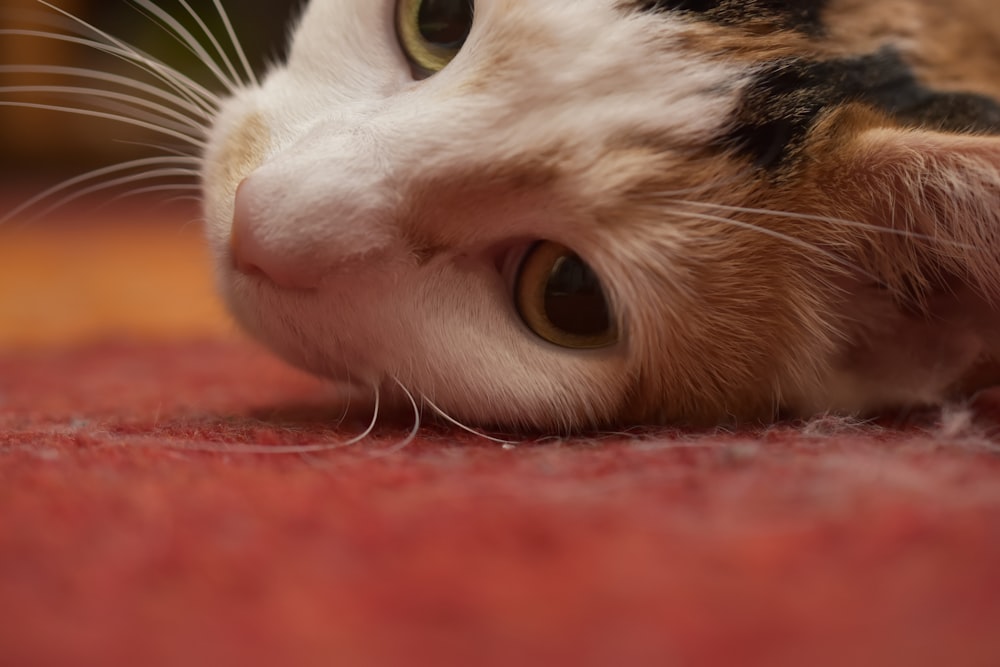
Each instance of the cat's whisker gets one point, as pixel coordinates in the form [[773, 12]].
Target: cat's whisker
[[174, 28], [95, 174], [182, 84], [159, 188], [189, 126], [166, 112], [121, 50], [125, 82], [281, 450], [154, 189], [454, 422], [791, 240], [371, 426], [705, 189], [235, 41], [411, 436], [113, 183], [213, 40], [184, 198], [186, 138], [843, 222], [168, 151]]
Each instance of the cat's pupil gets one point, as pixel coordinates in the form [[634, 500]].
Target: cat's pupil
[[574, 300], [445, 22], [560, 298]]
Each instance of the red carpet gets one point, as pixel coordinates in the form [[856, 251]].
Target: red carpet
[[122, 543]]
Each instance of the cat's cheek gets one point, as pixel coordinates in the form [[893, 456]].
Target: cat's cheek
[[480, 364], [446, 334]]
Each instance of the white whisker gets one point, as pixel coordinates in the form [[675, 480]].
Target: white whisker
[[154, 189], [274, 449], [234, 76], [180, 83], [843, 222], [124, 81], [413, 431], [704, 188], [99, 103], [186, 138], [371, 426], [113, 183], [165, 111], [791, 240], [169, 151], [96, 173], [171, 77], [454, 422], [235, 41], [186, 198], [183, 35]]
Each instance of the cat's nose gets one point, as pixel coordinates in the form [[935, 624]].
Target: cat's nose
[[257, 251]]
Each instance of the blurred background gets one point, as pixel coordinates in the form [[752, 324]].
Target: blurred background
[[38, 146], [106, 267]]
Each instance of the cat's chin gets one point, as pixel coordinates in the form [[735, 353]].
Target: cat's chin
[[341, 370], [274, 317]]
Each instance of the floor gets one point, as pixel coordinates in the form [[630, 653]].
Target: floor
[[145, 517]]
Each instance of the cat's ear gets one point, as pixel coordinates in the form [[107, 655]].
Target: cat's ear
[[942, 188]]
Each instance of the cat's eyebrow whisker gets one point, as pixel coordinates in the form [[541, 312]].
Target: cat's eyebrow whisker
[[843, 222], [97, 173], [454, 422], [174, 28], [791, 240], [704, 188], [235, 41], [125, 82], [166, 112]]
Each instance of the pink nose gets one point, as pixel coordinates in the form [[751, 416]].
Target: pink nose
[[255, 254]]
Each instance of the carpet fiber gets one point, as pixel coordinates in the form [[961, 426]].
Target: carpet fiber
[[138, 528]]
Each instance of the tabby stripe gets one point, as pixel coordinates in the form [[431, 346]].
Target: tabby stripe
[[788, 96], [803, 15]]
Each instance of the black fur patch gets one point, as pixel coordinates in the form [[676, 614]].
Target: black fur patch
[[788, 97], [804, 15]]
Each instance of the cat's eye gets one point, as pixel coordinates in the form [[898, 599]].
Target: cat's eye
[[432, 32], [561, 299]]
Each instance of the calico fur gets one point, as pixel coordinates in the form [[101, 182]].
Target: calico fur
[[792, 207]]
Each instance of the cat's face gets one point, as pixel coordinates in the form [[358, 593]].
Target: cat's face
[[536, 213]]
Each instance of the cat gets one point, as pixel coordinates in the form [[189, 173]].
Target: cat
[[575, 214]]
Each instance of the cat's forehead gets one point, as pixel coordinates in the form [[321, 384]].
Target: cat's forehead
[[754, 77], [516, 45], [584, 62]]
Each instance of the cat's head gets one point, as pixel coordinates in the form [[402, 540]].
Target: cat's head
[[567, 214]]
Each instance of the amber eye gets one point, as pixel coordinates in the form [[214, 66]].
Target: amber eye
[[432, 32], [560, 298]]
